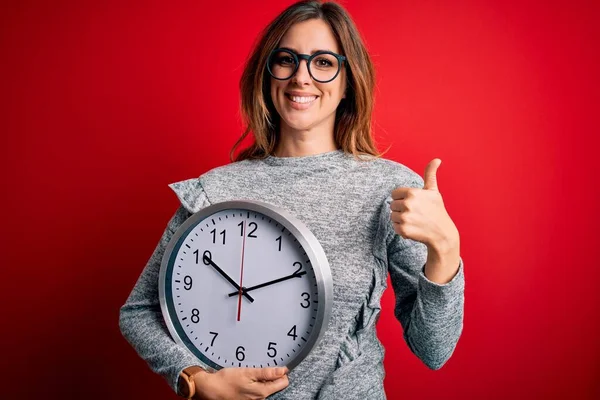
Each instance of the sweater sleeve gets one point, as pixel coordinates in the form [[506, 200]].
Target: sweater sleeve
[[431, 314], [141, 320]]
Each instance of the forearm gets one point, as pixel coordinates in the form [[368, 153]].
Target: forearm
[[443, 259], [143, 327], [436, 319], [141, 320]]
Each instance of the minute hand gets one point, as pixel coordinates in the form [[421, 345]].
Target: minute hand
[[285, 278]]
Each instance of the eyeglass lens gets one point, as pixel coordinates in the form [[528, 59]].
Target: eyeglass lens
[[323, 67]]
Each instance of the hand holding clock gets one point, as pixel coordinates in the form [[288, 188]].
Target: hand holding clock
[[241, 383]]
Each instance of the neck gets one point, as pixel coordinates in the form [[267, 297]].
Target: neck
[[300, 143]]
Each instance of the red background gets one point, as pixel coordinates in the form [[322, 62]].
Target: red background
[[105, 103]]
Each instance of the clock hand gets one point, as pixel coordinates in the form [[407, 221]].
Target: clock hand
[[241, 273], [209, 261], [285, 278]]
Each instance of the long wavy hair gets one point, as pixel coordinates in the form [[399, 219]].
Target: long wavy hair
[[353, 131]]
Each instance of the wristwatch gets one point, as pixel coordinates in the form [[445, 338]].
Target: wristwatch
[[186, 385]]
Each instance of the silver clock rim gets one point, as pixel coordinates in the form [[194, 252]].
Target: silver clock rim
[[309, 242]]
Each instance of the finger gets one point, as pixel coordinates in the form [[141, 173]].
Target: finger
[[401, 229], [398, 217], [402, 193], [270, 374], [271, 387], [430, 177], [399, 206]]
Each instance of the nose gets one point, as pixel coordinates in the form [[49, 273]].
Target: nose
[[302, 77]]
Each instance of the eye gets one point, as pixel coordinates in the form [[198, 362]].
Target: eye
[[323, 62], [285, 60]]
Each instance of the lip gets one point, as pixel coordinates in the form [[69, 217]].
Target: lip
[[299, 106], [296, 93]]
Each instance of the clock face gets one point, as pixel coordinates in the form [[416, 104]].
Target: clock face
[[245, 287]]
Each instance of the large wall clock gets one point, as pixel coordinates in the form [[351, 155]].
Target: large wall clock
[[245, 284]]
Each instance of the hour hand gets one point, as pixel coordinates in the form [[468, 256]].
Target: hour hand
[[209, 261], [285, 278]]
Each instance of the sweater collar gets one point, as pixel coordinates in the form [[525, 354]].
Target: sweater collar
[[315, 160]]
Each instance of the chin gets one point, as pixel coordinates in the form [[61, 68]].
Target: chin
[[299, 124]]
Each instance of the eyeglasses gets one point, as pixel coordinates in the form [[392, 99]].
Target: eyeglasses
[[323, 66]]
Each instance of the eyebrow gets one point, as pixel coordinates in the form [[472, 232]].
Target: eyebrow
[[312, 51]]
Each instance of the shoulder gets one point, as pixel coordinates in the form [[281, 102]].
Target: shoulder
[[191, 193], [391, 173]]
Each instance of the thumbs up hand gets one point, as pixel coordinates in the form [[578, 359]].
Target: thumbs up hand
[[420, 215]]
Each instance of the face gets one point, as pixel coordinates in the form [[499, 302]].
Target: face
[[301, 102]]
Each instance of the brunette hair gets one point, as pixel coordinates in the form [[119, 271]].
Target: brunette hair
[[352, 131]]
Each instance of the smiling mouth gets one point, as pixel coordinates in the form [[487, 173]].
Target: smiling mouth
[[301, 99]]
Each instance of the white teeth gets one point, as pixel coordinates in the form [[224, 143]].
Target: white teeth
[[302, 99]]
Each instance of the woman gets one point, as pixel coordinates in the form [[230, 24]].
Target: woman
[[307, 96]]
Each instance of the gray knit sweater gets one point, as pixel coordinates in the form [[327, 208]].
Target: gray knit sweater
[[346, 204]]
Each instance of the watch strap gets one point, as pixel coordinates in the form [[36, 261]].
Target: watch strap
[[187, 386]]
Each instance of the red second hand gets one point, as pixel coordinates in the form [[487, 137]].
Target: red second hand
[[241, 274]]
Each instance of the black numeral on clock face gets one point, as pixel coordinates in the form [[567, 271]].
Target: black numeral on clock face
[[271, 351], [306, 302], [206, 254], [213, 339], [214, 234], [239, 353], [292, 332], [279, 240], [195, 315], [250, 235], [299, 268], [251, 224], [187, 282]]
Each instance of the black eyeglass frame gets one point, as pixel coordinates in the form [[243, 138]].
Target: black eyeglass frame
[[297, 57]]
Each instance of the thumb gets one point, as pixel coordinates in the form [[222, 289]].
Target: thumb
[[270, 374], [430, 175]]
